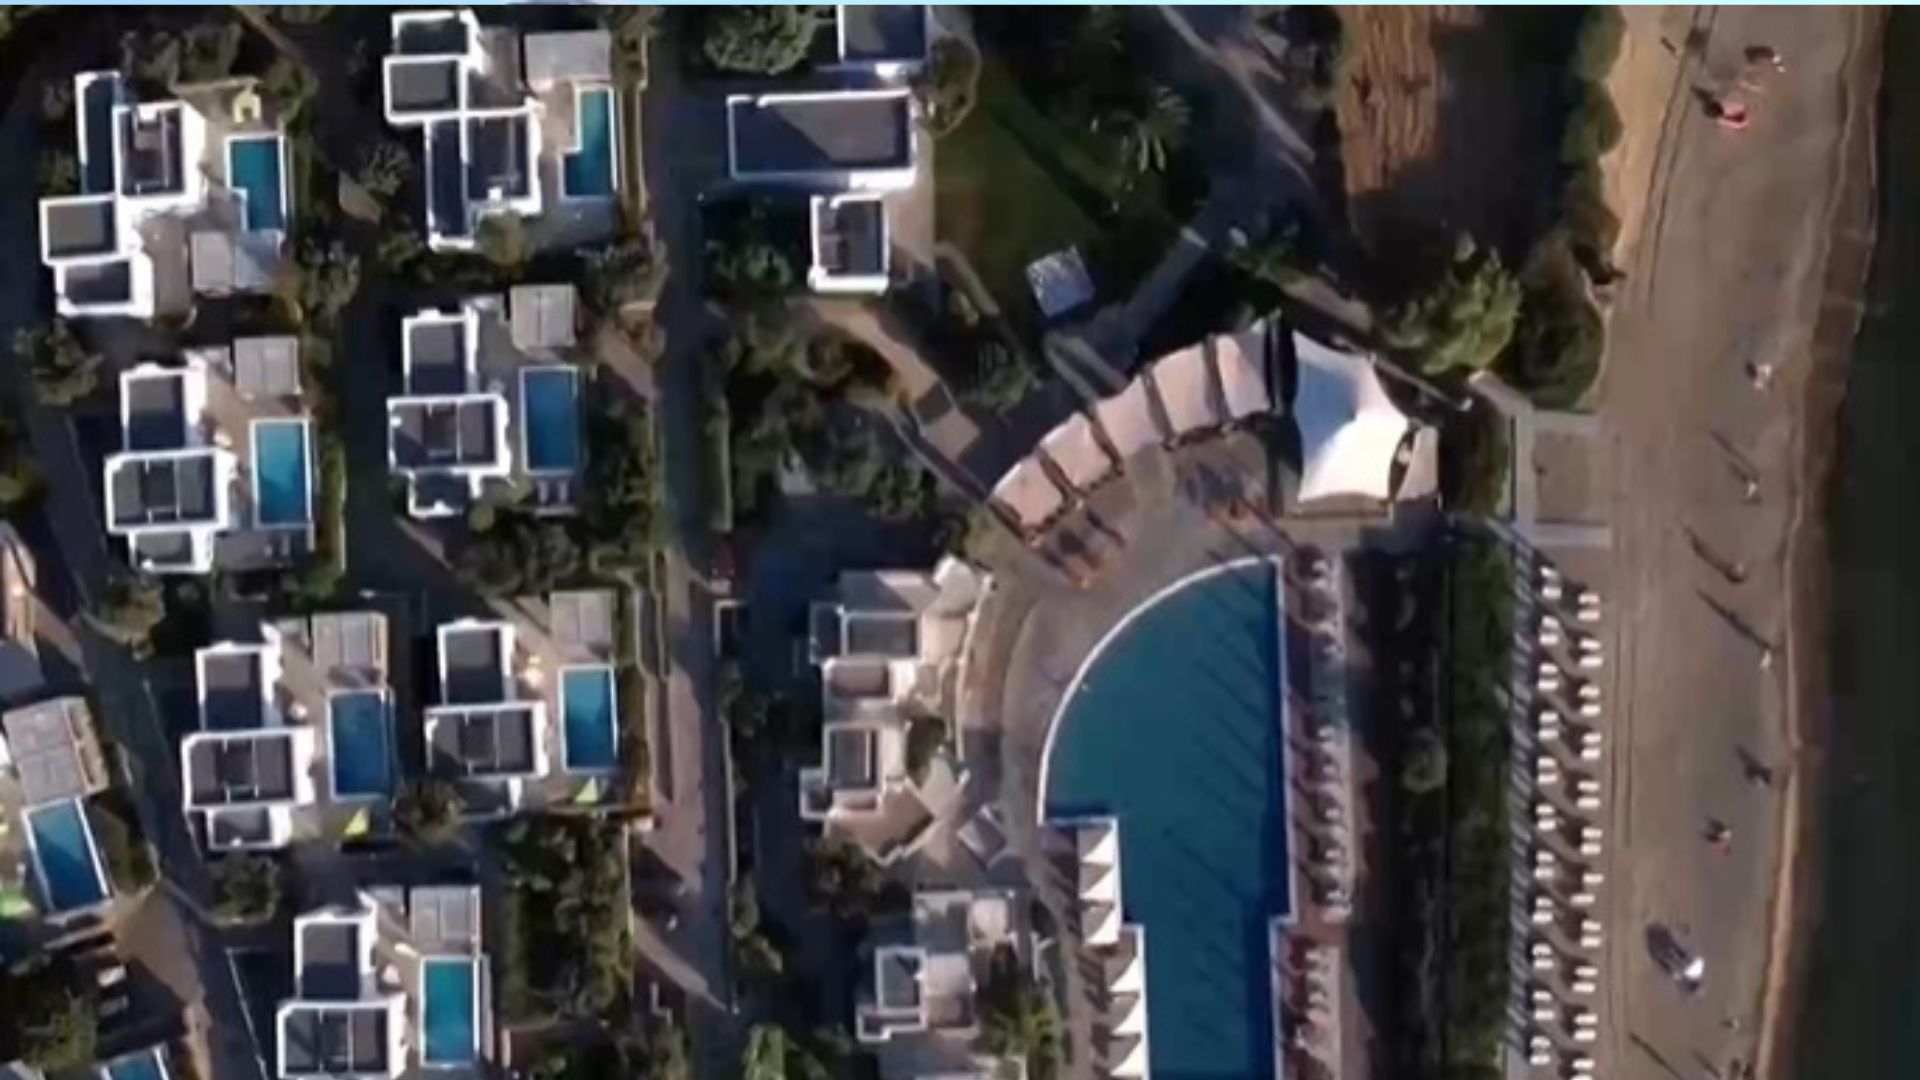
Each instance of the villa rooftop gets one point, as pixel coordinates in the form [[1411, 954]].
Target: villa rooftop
[[257, 767], [829, 133], [54, 752], [873, 33]]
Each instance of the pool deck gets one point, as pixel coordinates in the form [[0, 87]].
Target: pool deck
[[329, 652], [231, 411], [1152, 529]]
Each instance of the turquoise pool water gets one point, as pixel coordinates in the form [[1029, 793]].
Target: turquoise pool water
[[253, 168], [588, 171], [144, 1065], [280, 472], [446, 1011], [550, 414], [1175, 728], [63, 848], [586, 703], [362, 755]]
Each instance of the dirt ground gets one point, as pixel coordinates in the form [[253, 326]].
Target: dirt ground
[[1736, 234], [1432, 122]]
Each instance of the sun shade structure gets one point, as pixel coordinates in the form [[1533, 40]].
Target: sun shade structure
[[1076, 451], [1127, 418], [1241, 361], [1349, 429], [1184, 381], [1029, 494]]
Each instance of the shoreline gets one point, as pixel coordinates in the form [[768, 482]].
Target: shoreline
[[1853, 225]]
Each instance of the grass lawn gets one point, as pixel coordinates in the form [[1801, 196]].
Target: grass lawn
[[1013, 186]]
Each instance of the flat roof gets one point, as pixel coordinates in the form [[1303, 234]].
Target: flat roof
[[495, 740], [436, 356], [825, 132], [267, 366], [176, 489], [349, 642], [448, 433], [154, 409], [473, 664], [334, 1039], [232, 690], [444, 918], [569, 56], [80, 227], [53, 750], [423, 86], [151, 159], [542, 316], [499, 157], [583, 618], [850, 236], [254, 767], [329, 960]]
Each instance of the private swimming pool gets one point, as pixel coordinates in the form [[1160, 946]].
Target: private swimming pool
[[587, 173], [280, 469], [359, 744], [448, 1008], [1174, 725], [550, 418], [65, 856], [589, 726], [253, 170]]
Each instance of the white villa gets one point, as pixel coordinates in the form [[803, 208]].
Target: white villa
[[890, 647], [395, 983], [176, 198], [509, 125]]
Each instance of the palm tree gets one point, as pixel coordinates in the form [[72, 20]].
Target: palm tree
[[1017, 1019], [1151, 128]]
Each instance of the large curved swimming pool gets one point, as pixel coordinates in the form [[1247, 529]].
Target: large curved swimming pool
[[1174, 726]]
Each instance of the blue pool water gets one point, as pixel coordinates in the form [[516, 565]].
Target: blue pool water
[[1175, 729], [589, 170], [63, 847], [280, 472], [144, 1065], [362, 756], [253, 168], [586, 701], [550, 413], [446, 1011]]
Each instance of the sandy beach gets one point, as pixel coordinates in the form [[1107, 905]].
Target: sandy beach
[[1739, 239]]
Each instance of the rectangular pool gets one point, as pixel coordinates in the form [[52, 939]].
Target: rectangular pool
[[359, 744], [254, 171], [589, 724], [550, 419], [587, 172], [65, 856], [449, 1003], [281, 465]]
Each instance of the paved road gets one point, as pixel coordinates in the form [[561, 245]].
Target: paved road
[[683, 154], [126, 704], [1729, 272]]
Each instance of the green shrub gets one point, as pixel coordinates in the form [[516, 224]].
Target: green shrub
[[1597, 43], [63, 369], [1474, 454], [58, 172], [129, 858], [948, 86], [1593, 125], [1463, 318], [569, 955], [502, 240], [247, 889], [759, 39], [428, 811], [1590, 223], [926, 737]]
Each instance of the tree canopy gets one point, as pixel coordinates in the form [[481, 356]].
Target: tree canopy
[[1463, 318], [759, 39]]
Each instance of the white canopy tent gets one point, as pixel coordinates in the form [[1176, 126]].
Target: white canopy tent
[[1185, 385], [1073, 447], [1242, 362], [1028, 494], [1128, 420], [1349, 428]]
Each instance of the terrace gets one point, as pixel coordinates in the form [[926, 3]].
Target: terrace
[[296, 734], [180, 494], [480, 411], [889, 648], [510, 125], [176, 198], [395, 983]]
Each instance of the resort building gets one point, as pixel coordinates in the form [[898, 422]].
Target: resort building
[[490, 401], [1354, 441], [296, 734], [508, 126], [51, 763], [530, 711], [176, 198], [393, 983], [843, 146], [917, 1008], [890, 647], [215, 467]]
